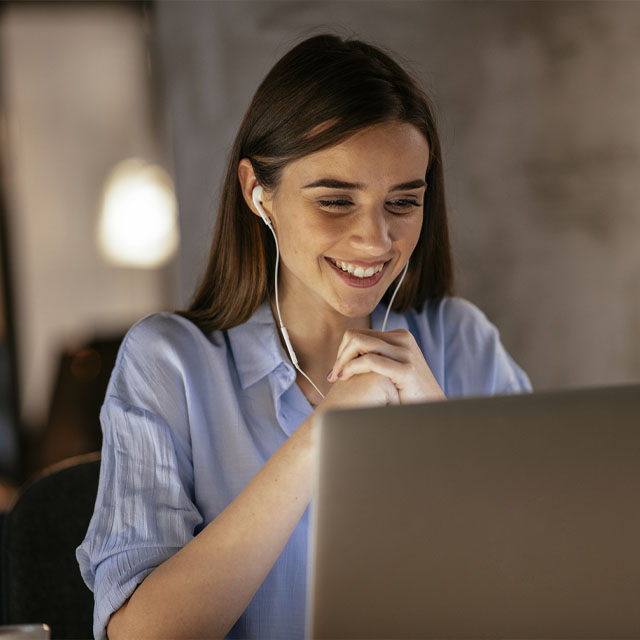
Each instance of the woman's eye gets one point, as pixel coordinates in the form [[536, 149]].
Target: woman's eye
[[335, 204], [403, 205], [399, 205]]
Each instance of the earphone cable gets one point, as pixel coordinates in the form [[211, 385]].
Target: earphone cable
[[393, 297], [283, 331]]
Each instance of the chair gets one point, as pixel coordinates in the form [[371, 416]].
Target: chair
[[40, 575]]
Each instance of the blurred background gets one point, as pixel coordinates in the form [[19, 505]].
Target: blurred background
[[115, 122]]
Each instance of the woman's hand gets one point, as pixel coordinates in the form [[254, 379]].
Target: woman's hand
[[362, 390], [392, 354]]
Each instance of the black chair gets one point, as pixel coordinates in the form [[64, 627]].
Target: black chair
[[40, 575]]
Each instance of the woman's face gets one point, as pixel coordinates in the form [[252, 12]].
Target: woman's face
[[348, 218]]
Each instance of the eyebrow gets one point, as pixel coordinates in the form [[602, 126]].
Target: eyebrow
[[331, 183]]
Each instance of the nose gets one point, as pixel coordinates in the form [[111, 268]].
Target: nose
[[371, 233]]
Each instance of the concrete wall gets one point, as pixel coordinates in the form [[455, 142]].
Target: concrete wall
[[539, 107], [76, 101]]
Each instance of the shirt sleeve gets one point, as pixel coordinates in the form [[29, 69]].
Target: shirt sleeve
[[475, 361], [144, 509]]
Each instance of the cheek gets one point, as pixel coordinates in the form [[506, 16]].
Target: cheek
[[299, 224], [319, 232], [307, 239], [407, 232]]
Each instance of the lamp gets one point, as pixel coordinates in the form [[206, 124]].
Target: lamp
[[138, 224]]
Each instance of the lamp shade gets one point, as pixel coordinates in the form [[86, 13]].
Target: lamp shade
[[138, 224]]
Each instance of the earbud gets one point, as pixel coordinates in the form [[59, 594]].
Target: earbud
[[256, 196]]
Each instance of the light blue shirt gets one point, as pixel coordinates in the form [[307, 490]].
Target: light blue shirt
[[189, 419]]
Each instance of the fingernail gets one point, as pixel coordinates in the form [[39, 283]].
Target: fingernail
[[340, 375], [329, 374]]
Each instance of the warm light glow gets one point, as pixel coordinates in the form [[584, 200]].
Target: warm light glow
[[138, 224]]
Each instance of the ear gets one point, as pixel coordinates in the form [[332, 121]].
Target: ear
[[248, 182]]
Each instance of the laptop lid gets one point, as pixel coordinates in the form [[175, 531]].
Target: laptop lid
[[499, 517]]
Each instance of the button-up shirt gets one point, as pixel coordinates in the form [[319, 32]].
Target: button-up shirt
[[190, 418]]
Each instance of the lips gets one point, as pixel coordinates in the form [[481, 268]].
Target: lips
[[359, 275], [357, 270]]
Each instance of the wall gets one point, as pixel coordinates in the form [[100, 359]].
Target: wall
[[76, 98], [539, 107]]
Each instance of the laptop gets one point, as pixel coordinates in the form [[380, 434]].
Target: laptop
[[499, 517]]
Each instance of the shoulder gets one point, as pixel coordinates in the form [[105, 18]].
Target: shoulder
[[461, 319], [161, 355], [170, 338], [466, 348], [451, 319], [162, 332]]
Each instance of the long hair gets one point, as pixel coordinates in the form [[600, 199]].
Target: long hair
[[321, 92]]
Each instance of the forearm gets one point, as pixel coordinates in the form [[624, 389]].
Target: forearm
[[203, 589]]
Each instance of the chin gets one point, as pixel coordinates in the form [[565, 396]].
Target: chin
[[356, 309]]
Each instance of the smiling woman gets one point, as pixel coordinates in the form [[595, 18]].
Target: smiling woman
[[333, 192]]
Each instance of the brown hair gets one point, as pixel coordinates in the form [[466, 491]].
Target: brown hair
[[321, 92]]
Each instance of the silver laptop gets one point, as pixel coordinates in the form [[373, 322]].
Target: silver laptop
[[502, 517]]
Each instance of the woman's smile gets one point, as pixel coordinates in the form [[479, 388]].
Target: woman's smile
[[357, 274]]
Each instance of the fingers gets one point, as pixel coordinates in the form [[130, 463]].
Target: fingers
[[366, 390], [394, 345], [354, 339], [380, 364], [394, 355]]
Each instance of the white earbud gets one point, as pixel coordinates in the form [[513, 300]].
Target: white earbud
[[256, 196]]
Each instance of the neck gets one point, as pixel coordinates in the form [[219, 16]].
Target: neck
[[315, 336]]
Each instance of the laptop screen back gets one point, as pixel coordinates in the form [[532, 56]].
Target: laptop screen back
[[497, 517]]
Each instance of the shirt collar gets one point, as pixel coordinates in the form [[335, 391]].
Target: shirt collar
[[394, 321], [256, 347]]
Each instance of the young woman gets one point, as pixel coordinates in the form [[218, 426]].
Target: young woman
[[334, 190]]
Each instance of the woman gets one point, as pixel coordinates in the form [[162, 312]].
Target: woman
[[335, 180]]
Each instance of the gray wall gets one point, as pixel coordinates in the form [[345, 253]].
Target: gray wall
[[539, 107], [75, 102]]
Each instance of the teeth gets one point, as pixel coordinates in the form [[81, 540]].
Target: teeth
[[358, 272]]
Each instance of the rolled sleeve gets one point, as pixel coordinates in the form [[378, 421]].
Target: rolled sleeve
[[144, 509]]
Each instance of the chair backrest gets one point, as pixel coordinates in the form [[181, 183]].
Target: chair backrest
[[40, 574]]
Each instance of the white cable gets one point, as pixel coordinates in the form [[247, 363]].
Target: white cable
[[393, 297], [283, 331]]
